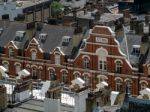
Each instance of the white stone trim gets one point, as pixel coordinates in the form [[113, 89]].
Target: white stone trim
[[34, 66], [99, 76], [85, 56], [64, 70], [118, 60], [51, 68], [17, 63], [85, 73], [127, 79], [141, 81], [28, 65], [76, 72], [33, 49], [5, 62], [40, 67], [116, 78]]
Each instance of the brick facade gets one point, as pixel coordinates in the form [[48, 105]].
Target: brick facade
[[100, 59]]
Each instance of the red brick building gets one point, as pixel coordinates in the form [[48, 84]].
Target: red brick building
[[97, 58]]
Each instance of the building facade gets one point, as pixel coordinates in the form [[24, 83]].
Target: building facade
[[99, 58]]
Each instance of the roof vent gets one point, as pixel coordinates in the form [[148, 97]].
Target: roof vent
[[136, 50], [19, 36], [42, 37], [66, 40]]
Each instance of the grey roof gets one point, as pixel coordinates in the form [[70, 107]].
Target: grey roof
[[9, 31], [55, 34]]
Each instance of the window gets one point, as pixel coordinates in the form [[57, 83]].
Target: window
[[6, 65], [102, 78], [52, 75], [143, 85], [86, 63], [118, 67], [17, 68], [64, 77], [34, 73], [87, 80], [119, 85], [33, 55], [57, 59], [11, 52], [136, 49], [102, 59], [102, 65], [40, 74], [129, 85], [76, 75]]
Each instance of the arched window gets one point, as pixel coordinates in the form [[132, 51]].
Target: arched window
[[143, 85], [34, 73], [76, 75], [86, 63], [64, 77], [57, 59], [87, 80], [52, 75], [119, 85], [129, 85], [102, 78], [18, 68], [102, 59], [33, 55], [11, 52], [118, 66]]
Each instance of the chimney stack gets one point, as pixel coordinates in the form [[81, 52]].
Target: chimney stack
[[147, 18]]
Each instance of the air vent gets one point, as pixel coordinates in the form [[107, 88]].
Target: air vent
[[19, 36], [42, 37], [66, 40]]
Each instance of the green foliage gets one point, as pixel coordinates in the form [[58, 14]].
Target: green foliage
[[56, 7]]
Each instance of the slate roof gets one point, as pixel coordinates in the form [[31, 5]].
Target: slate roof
[[55, 34], [9, 31]]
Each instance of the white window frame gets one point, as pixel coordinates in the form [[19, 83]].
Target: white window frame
[[129, 85], [11, 52], [87, 80], [57, 59], [51, 72], [34, 73], [143, 85], [34, 54], [18, 68], [118, 66], [64, 77], [119, 84], [86, 63]]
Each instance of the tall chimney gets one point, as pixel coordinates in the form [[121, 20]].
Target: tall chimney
[[147, 18]]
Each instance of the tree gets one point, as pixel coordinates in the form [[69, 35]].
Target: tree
[[56, 8]]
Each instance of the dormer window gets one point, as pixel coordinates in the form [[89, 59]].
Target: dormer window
[[19, 36], [66, 39], [136, 49], [42, 37]]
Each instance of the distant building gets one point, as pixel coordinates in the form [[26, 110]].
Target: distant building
[[48, 52], [136, 6], [10, 10]]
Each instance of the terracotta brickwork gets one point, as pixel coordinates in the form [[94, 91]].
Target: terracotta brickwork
[[101, 51]]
